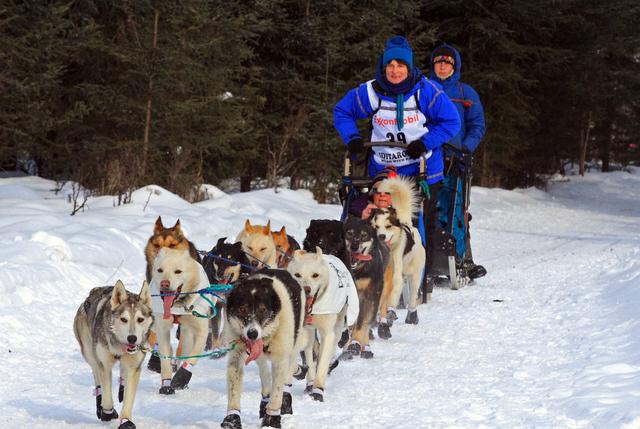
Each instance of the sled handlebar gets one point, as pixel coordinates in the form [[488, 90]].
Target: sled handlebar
[[385, 144], [348, 161]]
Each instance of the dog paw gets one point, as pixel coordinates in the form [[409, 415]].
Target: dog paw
[[391, 317], [317, 394], [181, 379], [412, 317], [384, 331], [98, 404], [301, 372], [232, 421], [167, 390], [352, 351], [127, 424], [263, 406], [333, 365], [154, 364], [270, 421], [108, 415], [287, 403], [366, 354], [344, 338], [371, 336]]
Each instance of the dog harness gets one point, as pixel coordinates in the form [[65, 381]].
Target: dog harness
[[341, 290]]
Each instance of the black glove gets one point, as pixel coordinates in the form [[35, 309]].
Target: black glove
[[415, 149], [355, 146]]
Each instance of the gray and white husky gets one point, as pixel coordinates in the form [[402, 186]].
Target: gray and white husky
[[113, 325]]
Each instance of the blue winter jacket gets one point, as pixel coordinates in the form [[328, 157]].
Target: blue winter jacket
[[473, 126], [443, 122]]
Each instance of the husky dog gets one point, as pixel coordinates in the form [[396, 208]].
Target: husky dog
[[265, 315], [369, 259], [172, 238], [328, 235], [331, 295], [113, 325], [408, 256], [257, 243], [225, 264], [285, 246], [175, 276], [394, 226]]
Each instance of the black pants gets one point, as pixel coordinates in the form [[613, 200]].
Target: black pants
[[430, 214]]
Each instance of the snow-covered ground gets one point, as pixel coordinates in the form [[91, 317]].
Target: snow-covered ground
[[550, 338]]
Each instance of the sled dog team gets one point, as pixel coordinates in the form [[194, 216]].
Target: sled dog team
[[284, 301]]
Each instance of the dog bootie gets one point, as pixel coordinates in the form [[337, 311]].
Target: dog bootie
[[301, 372], [412, 317], [334, 363], [366, 353], [270, 421], [127, 424], [166, 388], [181, 378], [352, 351], [154, 364], [108, 415], [263, 406], [287, 403], [98, 394], [317, 394], [384, 331], [231, 421], [344, 338], [391, 316], [121, 391]]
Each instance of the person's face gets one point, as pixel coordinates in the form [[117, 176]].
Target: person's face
[[443, 70], [396, 71]]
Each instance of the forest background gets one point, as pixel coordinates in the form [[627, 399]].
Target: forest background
[[119, 94]]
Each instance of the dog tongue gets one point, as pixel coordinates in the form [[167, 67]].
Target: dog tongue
[[167, 302], [361, 256], [254, 349]]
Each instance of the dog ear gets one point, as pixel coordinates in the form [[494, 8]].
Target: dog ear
[[119, 295], [283, 231], [145, 294], [298, 253], [247, 225], [221, 241], [318, 252], [178, 227], [158, 227], [267, 228]]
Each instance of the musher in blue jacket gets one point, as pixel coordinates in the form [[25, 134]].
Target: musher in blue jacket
[[403, 106], [446, 66]]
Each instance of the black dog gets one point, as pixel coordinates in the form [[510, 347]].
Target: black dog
[[225, 263], [329, 236], [369, 260]]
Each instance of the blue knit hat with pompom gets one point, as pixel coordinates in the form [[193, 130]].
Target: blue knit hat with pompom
[[398, 48]]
